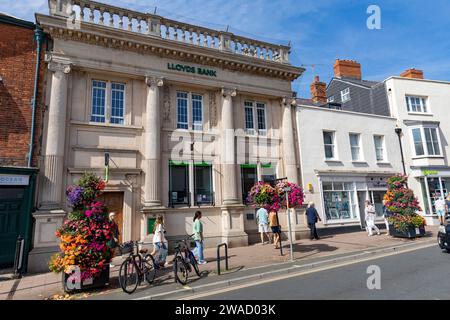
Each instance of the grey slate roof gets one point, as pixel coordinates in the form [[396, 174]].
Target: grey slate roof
[[365, 96]]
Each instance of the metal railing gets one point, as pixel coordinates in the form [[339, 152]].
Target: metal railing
[[219, 258]]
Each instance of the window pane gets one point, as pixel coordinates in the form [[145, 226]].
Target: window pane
[[328, 138], [182, 116], [408, 105], [378, 140], [261, 111], [329, 154], [117, 102], [437, 150], [249, 118], [432, 141], [424, 104], [203, 184], [418, 142], [197, 113], [98, 101], [327, 186], [179, 184], [354, 143], [268, 174], [355, 153], [249, 178]]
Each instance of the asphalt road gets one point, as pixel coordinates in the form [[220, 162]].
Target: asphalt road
[[419, 274]]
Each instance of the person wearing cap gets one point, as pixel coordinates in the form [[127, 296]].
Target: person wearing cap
[[312, 216]]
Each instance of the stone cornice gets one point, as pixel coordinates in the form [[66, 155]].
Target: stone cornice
[[93, 34]]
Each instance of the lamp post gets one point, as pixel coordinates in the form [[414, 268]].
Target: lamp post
[[398, 131], [286, 192]]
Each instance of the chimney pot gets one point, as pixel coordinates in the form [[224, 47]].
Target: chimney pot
[[318, 91], [412, 73], [347, 69]]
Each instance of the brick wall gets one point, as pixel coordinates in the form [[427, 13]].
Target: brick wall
[[17, 69]]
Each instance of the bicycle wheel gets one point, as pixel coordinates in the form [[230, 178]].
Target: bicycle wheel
[[180, 270], [194, 263], [129, 276], [149, 268]]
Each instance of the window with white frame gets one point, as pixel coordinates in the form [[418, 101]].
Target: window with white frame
[[330, 99], [108, 98], [189, 110], [255, 117], [328, 141], [416, 104], [426, 141], [355, 146], [379, 147], [345, 95], [249, 119]]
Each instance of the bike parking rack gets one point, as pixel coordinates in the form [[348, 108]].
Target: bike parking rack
[[218, 257]]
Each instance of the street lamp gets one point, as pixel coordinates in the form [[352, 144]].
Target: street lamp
[[398, 131]]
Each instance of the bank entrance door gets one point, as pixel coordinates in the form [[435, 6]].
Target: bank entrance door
[[114, 202], [13, 217]]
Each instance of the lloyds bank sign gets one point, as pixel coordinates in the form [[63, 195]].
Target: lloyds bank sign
[[190, 69]]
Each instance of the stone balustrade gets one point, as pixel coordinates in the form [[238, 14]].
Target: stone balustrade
[[92, 12]]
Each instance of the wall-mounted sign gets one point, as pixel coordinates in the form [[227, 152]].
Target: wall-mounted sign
[[430, 172], [190, 69], [14, 180]]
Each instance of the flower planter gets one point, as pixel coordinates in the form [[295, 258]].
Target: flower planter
[[88, 284], [409, 233]]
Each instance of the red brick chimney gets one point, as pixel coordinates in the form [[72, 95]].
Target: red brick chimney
[[347, 69], [412, 73], [318, 91]]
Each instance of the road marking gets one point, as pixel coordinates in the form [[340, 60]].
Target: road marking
[[301, 273]]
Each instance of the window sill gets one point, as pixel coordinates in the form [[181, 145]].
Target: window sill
[[333, 160], [420, 114], [383, 163], [427, 157], [106, 125], [359, 162]]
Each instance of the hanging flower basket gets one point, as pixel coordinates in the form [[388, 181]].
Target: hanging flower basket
[[273, 198]]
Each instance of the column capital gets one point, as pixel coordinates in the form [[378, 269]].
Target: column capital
[[289, 99], [228, 92], [60, 67], [154, 81]]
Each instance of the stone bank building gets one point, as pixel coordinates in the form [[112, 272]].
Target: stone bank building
[[191, 118]]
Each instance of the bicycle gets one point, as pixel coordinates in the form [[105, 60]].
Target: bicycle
[[137, 267], [183, 260]]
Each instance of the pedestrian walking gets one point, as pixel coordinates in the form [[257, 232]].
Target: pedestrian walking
[[275, 226], [370, 218], [198, 237], [160, 244], [447, 204], [115, 231], [312, 216], [440, 205], [386, 214], [262, 219]]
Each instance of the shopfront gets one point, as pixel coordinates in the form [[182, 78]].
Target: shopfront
[[343, 198], [434, 184], [16, 202]]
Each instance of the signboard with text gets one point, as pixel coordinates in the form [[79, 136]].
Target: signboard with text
[[14, 180]]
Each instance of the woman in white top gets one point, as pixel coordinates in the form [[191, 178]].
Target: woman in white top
[[159, 240], [370, 218]]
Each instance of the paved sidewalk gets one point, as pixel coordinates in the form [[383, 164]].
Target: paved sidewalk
[[48, 285]]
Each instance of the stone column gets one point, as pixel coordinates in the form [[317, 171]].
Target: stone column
[[290, 164], [53, 171], [50, 215], [228, 155], [152, 148]]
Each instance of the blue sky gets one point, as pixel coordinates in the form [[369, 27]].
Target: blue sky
[[414, 33]]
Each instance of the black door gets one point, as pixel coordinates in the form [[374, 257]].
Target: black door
[[11, 222]]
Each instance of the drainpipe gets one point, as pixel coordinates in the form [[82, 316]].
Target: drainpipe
[[38, 36]]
